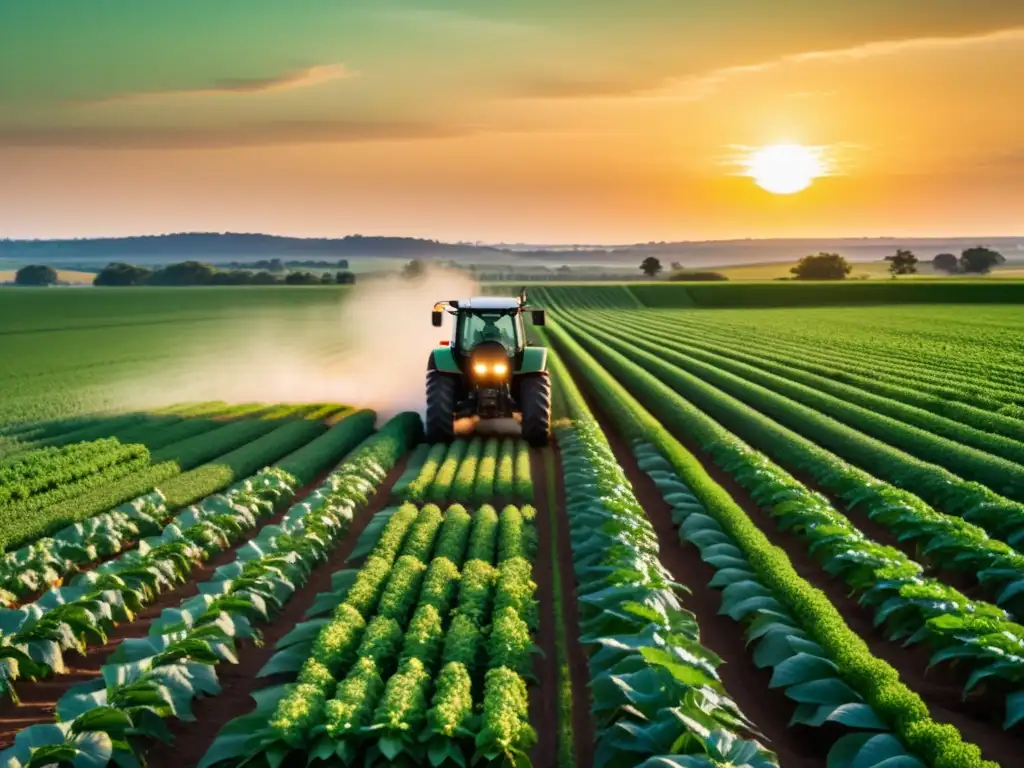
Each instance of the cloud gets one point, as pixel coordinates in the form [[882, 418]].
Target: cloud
[[302, 78], [700, 86], [171, 137]]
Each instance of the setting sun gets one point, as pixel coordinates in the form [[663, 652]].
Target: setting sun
[[784, 169]]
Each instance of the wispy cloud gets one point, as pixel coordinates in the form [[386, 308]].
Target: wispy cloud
[[700, 86], [301, 78], [269, 133]]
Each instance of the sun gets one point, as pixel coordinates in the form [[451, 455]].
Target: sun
[[784, 169]]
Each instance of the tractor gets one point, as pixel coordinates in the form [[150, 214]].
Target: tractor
[[488, 369]]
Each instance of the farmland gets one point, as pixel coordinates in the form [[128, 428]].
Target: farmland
[[776, 525]]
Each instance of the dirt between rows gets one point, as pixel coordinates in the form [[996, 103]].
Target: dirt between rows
[[978, 722]]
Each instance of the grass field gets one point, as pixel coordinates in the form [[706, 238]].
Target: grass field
[[777, 525], [871, 270]]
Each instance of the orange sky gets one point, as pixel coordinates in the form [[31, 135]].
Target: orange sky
[[477, 121]]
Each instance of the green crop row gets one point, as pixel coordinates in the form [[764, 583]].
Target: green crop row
[[908, 606], [886, 378], [977, 454], [158, 675], [40, 471], [167, 463], [672, 694], [1002, 518], [867, 678], [475, 470], [417, 655], [990, 432], [950, 542]]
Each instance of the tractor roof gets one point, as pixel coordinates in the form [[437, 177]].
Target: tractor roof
[[489, 302]]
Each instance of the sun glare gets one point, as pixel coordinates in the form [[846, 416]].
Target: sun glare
[[784, 169]]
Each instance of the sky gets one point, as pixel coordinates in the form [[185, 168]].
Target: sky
[[515, 120]]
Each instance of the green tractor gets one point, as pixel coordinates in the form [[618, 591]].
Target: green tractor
[[488, 369]]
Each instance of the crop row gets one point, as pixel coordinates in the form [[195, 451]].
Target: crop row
[[61, 478], [466, 471], [908, 605], [1001, 517], [831, 372], [148, 679], [227, 443], [427, 651], [950, 542], [852, 674], [78, 614], [655, 688]]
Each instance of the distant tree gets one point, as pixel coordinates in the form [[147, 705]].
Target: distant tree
[[36, 274], [345, 278], [676, 266], [265, 278], [902, 263], [824, 266], [326, 278], [184, 273], [413, 269], [565, 269], [301, 278], [946, 262], [342, 264], [980, 260], [118, 273], [276, 265], [650, 266]]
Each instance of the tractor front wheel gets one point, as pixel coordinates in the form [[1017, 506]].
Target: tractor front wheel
[[440, 427], [535, 404]]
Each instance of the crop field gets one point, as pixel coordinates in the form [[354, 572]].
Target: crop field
[[767, 532]]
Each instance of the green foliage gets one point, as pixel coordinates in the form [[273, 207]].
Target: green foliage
[[823, 266], [483, 488]]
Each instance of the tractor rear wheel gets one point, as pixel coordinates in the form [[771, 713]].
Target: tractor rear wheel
[[535, 404], [440, 407]]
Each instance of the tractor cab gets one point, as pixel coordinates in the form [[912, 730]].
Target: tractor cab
[[487, 368]]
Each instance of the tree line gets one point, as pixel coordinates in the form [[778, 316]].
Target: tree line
[[832, 266], [185, 273]]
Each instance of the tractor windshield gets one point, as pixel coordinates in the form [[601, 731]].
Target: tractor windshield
[[502, 327]]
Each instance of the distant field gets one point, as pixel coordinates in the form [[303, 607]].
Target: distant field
[[873, 270]]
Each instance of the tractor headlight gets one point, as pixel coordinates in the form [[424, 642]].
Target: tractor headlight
[[480, 369], [500, 369]]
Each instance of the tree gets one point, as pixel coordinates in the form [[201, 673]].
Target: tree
[[326, 278], [824, 266], [946, 262], [650, 266], [301, 278], [265, 278], [118, 273], [345, 278], [903, 263], [184, 273], [979, 260], [36, 274], [413, 269], [676, 266]]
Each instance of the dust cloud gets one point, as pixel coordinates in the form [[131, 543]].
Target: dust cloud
[[369, 349]]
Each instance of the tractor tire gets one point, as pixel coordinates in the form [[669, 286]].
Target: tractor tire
[[535, 403], [440, 426]]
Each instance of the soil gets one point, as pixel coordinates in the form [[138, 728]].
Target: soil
[[544, 697], [579, 672], [978, 721], [39, 698]]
